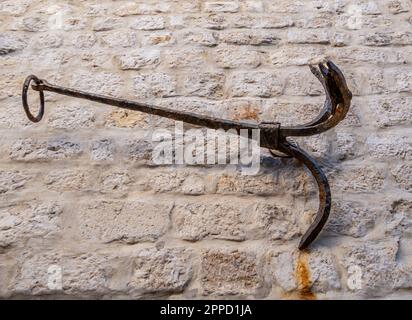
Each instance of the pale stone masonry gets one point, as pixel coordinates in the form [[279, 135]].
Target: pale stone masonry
[[84, 210]]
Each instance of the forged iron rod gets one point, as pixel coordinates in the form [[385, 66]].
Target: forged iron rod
[[273, 136]]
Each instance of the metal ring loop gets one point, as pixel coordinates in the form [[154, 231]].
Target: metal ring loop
[[26, 86]]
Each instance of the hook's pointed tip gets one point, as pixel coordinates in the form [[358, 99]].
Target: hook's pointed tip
[[303, 245]]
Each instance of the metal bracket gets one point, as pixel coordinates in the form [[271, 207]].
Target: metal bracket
[[272, 135]]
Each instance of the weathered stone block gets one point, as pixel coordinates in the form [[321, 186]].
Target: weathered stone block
[[48, 40], [345, 146], [221, 6], [304, 273], [235, 57], [11, 42], [225, 272], [184, 57], [398, 79], [299, 36], [389, 146], [204, 84], [199, 37], [161, 271], [126, 119], [176, 181], [302, 82], [32, 24], [314, 21], [13, 8], [249, 37], [160, 38], [76, 274], [262, 22], [106, 83], [256, 84], [22, 221], [359, 179], [236, 183], [72, 117], [398, 6], [345, 213], [370, 55], [391, 111], [196, 220], [139, 150], [376, 262], [12, 180], [290, 113], [269, 220], [30, 150], [398, 219], [114, 182], [148, 23], [402, 173], [68, 180], [132, 8], [296, 55], [102, 150], [84, 40], [119, 39], [155, 85], [129, 222], [7, 275], [106, 24]]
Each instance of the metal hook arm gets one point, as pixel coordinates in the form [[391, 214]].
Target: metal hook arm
[[325, 198]]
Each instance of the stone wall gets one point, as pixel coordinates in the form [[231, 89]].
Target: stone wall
[[85, 212]]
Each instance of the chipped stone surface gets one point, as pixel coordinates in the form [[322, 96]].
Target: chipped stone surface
[[233, 57], [363, 179], [128, 222], [160, 271], [72, 117], [67, 180], [256, 83], [154, 85], [322, 270], [148, 23], [57, 272], [20, 222], [104, 83], [226, 272], [31, 150], [10, 43], [274, 222], [403, 175], [12, 180], [139, 59], [102, 150], [378, 264], [351, 218], [195, 221], [390, 146], [206, 84]]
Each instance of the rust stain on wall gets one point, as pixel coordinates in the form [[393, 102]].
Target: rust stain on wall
[[160, 39], [303, 277], [248, 113]]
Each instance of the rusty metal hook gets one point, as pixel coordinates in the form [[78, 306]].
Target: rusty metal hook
[[272, 135], [26, 86]]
